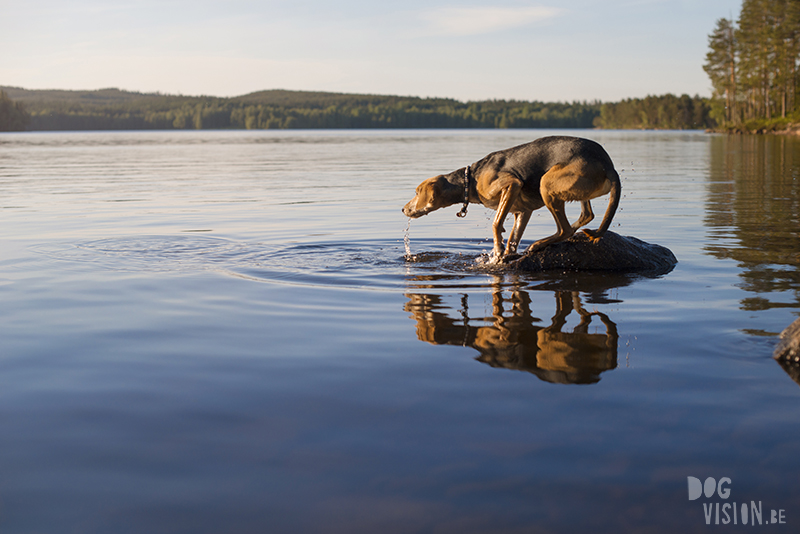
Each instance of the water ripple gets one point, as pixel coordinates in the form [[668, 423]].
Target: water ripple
[[371, 264]]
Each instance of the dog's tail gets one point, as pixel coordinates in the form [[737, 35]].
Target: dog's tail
[[613, 202]]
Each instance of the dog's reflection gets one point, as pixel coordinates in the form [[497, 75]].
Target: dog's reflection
[[509, 339]]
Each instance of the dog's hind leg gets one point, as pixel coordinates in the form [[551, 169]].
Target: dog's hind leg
[[555, 188], [615, 189], [587, 215], [565, 231]]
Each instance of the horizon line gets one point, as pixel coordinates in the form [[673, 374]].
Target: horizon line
[[160, 93]]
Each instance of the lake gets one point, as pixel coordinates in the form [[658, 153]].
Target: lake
[[219, 331]]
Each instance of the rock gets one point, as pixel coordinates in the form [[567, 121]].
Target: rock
[[613, 253], [788, 348], [787, 352]]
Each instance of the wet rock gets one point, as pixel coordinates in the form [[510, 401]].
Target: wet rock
[[613, 253], [788, 349], [787, 353]]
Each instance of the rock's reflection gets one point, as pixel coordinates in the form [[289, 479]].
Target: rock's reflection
[[510, 338]]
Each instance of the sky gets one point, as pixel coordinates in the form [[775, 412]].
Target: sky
[[561, 50]]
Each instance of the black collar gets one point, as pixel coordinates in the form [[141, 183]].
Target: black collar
[[463, 211]]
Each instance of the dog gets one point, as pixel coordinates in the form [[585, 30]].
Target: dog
[[546, 172]]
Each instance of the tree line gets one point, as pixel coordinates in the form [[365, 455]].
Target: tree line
[[13, 116], [753, 66], [112, 109], [666, 112]]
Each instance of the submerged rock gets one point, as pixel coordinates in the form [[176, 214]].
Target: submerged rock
[[614, 253]]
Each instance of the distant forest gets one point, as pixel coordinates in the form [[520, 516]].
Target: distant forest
[[753, 66], [113, 109]]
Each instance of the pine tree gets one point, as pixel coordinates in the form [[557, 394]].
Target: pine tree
[[786, 44], [754, 39], [754, 67], [721, 66]]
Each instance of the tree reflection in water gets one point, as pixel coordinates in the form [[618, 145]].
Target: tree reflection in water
[[753, 214], [753, 217]]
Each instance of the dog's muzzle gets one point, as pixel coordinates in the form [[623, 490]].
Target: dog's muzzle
[[410, 210]]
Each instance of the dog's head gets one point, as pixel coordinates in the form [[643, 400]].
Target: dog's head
[[430, 197]]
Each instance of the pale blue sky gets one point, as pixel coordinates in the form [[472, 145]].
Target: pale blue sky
[[561, 50]]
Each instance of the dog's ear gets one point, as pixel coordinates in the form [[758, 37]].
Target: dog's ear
[[437, 185]]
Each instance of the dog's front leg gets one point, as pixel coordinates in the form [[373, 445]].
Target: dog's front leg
[[521, 219], [507, 198]]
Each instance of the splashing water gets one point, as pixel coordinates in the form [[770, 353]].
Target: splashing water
[[407, 239]]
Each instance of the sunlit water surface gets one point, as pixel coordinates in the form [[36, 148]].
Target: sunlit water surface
[[223, 332]]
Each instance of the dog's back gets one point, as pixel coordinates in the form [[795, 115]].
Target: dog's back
[[532, 160]]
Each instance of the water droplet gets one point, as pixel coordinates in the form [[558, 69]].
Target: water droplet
[[407, 239]]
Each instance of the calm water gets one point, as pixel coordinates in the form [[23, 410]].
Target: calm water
[[209, 332]]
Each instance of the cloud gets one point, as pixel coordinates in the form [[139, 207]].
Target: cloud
[[478, 20]]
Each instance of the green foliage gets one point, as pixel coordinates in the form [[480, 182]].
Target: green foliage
[[13, 116], [667, 112], [114, 109], [721, 68], [754, 67]]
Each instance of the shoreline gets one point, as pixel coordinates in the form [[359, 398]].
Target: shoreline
[[792, 128]]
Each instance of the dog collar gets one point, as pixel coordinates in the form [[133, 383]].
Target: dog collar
[[463, 211]]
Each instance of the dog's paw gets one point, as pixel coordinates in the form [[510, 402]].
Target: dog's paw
[[509, 258], [488, 259], [496, 256], [593, 237], [533, 249]]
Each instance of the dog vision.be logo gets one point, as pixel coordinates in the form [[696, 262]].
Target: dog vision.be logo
[[729, 512]]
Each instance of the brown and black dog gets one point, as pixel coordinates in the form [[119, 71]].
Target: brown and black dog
[[547, 172]]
